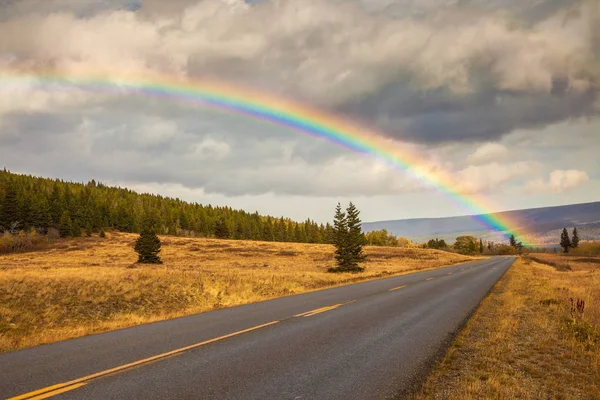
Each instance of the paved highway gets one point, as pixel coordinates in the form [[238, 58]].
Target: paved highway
[[370, 340]]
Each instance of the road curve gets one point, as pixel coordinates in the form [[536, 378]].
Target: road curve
[[369, 340]]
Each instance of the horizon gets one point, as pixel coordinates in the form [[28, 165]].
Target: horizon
[[286, 216]]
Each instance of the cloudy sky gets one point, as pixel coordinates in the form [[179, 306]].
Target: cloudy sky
[[503, 95]]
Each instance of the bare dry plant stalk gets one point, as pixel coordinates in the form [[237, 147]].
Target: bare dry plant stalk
[[524, 343], [90, 285]]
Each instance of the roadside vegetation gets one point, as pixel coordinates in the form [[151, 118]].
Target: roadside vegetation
[[90, 284], [537, 336]]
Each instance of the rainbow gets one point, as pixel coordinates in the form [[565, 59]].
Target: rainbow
[[276, 110]]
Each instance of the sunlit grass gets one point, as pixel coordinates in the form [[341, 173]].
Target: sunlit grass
[[524, 342], [91, 285]]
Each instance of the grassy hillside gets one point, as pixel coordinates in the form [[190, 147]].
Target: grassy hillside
[[86, 285]]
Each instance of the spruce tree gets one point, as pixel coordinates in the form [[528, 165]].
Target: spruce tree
[[148, 244], [565, 242], [221, 229], [340, 236], [356, 239], [76, 228], [348, 240], [575, 239], [9, 207], [65, 225]]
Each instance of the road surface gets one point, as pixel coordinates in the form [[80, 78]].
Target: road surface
[[369, 340]]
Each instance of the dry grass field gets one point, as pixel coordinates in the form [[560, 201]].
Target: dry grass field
[[89, 285], [526, 341]]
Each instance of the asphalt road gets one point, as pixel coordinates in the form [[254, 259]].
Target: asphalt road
[[370, 340]]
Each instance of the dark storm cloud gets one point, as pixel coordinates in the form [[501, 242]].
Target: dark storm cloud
[[486, 115]]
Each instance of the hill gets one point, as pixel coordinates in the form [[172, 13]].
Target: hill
[[543, 224]]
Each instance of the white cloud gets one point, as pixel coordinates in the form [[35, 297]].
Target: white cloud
[[560, 181], [210, 148], [326, 51], [488, 152], [489, 177]]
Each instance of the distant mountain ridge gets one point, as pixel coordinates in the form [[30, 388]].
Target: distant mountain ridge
[[539, 222]]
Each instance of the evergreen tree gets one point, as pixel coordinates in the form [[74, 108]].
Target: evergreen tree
[[565, 242], [340, 236], [356, 239], [513, 241], [65, 227], [148, 244], [221, 229], [9, 207], [480, 246], [76, 228], [575, 239], [348, 240], [88, 229], [26, 214]]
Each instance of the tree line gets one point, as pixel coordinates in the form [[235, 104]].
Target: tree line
[[74, 209]]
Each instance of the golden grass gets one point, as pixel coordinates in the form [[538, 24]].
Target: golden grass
[[91, 285], [524, 343]]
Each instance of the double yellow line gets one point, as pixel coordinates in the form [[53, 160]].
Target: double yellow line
[[77, 383]]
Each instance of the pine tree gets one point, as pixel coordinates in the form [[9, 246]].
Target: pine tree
[[356, 239], [26, 214], [221, 229], [65, 226], [513, 241], [565, 242], [348, 240], [9, 207], [148, 244], [340, 236], [575, 239], [480, 246], [76, 228]]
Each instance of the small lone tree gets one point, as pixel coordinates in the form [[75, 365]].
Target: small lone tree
[[348, 239], [565, 242], [575, 239], [148, 244], [513, 241]]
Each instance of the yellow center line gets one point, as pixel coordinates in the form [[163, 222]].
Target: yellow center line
[[73, 384], [396, 288], [59, 391], [321, 310], [429, 279], [304, 313], [449, 273]]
